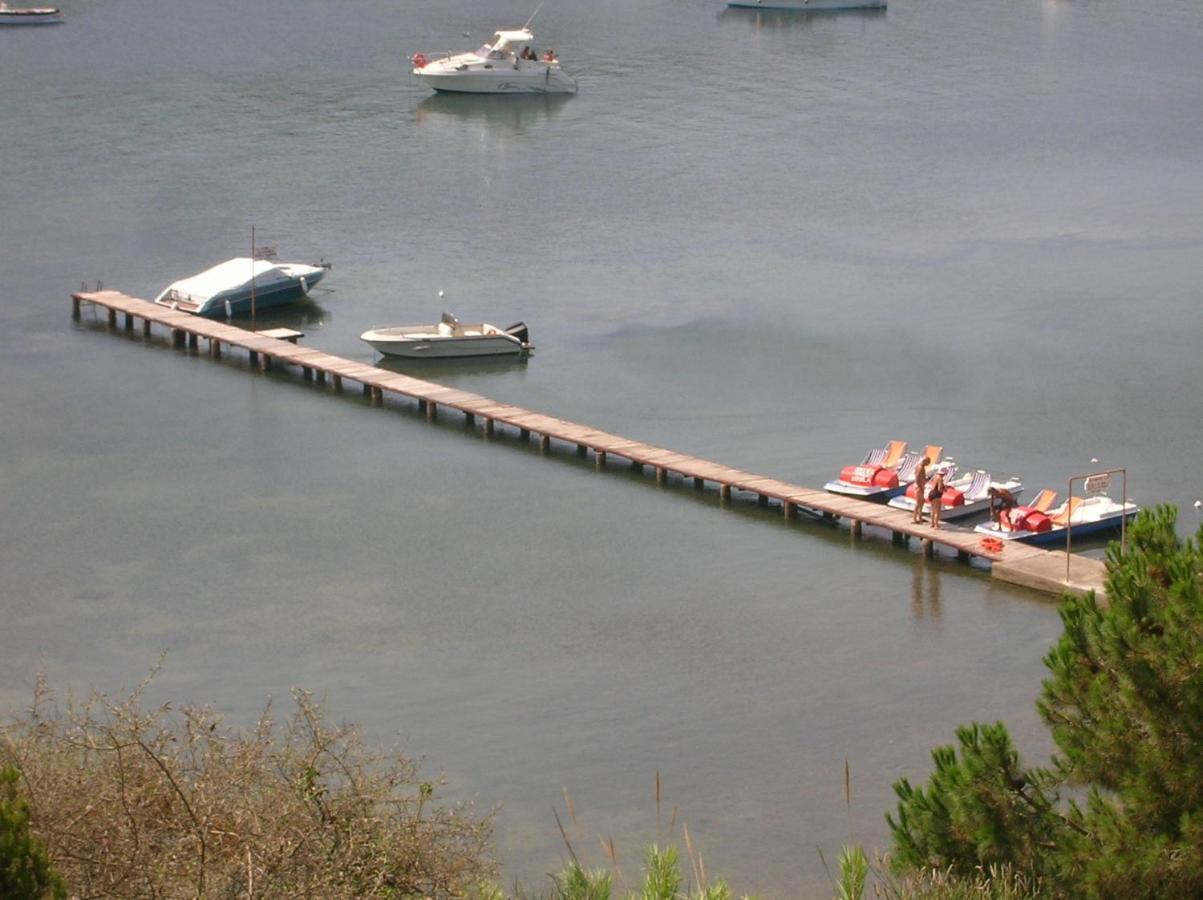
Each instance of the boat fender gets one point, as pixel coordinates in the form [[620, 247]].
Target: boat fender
[[304, 286], [419, 60]]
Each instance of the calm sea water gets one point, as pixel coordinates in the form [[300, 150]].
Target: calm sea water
[[768, 240]]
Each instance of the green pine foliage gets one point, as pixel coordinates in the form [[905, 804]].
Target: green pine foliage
[[1119, 813], [25, 872]]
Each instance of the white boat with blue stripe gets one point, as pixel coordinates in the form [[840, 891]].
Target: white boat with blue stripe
[[229, 287]]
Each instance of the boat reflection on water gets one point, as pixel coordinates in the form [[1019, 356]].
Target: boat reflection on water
[[786, 19], [302, 315], [516, 112], [449, 367]]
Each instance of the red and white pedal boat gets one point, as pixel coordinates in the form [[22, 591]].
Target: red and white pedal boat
[[964, 495]]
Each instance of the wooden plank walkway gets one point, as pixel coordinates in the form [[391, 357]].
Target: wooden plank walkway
[[1017, 563]]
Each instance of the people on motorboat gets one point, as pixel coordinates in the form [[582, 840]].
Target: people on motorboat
[[549, 56], [528, 53]]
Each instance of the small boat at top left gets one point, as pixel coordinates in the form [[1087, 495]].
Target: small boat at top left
[[29, 15], [228, 288]]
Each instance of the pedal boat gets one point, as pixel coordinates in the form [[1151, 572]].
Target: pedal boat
[[496, 68], [964, 495], [30, 15], [1038, 524], [884, 473]]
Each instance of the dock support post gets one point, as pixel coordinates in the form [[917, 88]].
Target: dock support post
[[582, 450], [929, 547], [856, 528], [421, 405], [113, 318], [790, 510], [265, 362], [193, 340], [762, 500], [724, 493], [378, 397], [74, 307], [215, 348], [698, 483], [469, 418], [367, 391], [898, 537], [321, 375], [637, 466], [524, 433], [544, 443], [129, 321], [599, 458], [431, 410], [489, 426], [338, 383], [962, 556], [254, 357], [307, 373], [661, 475], [177, 338]]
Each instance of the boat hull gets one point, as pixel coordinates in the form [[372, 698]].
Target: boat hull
[[1056, 535], [807, 5], [445, 348], [265, 298], [862, 492], [547, 81], [30, 17]]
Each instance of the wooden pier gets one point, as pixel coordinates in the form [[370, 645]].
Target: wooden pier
[[1032, 567]]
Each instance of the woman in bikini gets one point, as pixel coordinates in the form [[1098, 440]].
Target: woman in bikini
[[934, 495]]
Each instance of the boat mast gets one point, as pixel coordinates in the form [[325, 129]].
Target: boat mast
[[252, 278]]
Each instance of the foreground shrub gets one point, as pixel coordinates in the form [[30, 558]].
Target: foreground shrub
[[135, 803], [1119, 813], [25, 872]]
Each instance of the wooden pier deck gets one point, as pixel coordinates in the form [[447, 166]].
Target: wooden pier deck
[[1017, 563]]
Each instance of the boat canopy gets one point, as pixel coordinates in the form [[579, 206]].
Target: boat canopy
[[504, 41], [232, 273]]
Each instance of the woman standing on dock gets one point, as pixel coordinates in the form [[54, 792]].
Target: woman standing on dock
[[934, 495], [920, 487]]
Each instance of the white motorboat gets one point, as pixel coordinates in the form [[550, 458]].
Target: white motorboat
[[226, 289], [1038, 524], [449, 338], [507, 64], [807, 5], [29, 15], [964, 495]]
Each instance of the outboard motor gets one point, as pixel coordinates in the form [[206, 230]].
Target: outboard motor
[[519, 330]]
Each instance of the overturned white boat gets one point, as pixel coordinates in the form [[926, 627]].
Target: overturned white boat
[[808, 5], [29, 15], [507, 64], [227, 288], [449, 338]]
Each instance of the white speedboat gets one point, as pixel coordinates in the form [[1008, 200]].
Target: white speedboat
[[507, 64], [1038, 524], [449, 338], [964, 495], [807, 5], [885, 473], [29, 15], [226, 288]]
